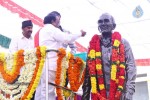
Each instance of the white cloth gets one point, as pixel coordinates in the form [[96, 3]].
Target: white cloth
[[52, 38], [72, 45], [21, 43], [40, 93]]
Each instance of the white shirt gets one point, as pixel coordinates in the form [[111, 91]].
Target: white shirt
[[21, 43], [52, 38]]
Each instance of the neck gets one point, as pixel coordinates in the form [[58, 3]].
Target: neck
[[27, 36], [106, 34]]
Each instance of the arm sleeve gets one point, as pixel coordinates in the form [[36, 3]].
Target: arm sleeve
[[65, 38], [130, 72], [72, 47], [13, 47]]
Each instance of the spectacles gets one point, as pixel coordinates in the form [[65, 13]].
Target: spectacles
[[103, 21]]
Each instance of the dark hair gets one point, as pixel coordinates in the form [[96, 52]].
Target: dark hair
[[56, 13], [61, 28], [51, 17]]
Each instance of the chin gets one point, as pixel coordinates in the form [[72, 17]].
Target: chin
[[106, 32]]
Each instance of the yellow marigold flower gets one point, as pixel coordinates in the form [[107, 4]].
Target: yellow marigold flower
[[114, 67], [101, 86], [68, 56], [98, 54], [98, 66], [122, 77], [117, 81], [122, 66], [120, 87], [118, 62], [92, 53], [93, 83], [116, 43], [113, 72], [66, 93], [2, 56], [43, 50]]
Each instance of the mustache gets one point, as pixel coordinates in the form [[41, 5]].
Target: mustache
[[29, 31]]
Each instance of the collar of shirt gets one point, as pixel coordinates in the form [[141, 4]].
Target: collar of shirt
[[23, 37]]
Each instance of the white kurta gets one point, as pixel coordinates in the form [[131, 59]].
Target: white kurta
[[52, 38]]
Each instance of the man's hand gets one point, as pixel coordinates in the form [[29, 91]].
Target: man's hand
[[83, 33]]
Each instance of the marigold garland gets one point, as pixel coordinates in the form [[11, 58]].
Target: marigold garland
[[26, 93], [11, 76], [75, 69], [59, 72], [117, 68], [40, 53], [9, 73], [76, 72]]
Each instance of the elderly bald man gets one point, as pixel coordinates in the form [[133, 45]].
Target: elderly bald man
[[111, 71]]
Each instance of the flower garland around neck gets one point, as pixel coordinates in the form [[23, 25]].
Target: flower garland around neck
[[117, 74], [24, 87]]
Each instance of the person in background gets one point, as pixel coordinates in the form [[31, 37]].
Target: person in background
[[53, 38], [72, 46], [24, 42], [111, 71]]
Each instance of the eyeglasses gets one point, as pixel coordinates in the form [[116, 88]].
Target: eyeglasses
[[103, 21]]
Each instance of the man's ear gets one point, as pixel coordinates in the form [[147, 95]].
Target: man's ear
[[52, 21], [99, 28], [114, 26]]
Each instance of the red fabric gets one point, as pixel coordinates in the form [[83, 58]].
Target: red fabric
[[36, 39], [80, 48], [143, 62], [23, 13]]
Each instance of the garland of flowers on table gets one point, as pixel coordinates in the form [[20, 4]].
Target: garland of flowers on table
[[61, 72], [41, 54], [10, 76], [117, 68], [24, 85], [75, 73]]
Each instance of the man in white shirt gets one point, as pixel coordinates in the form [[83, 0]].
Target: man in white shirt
[[71, 45], [52, 37], [25, 41]]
